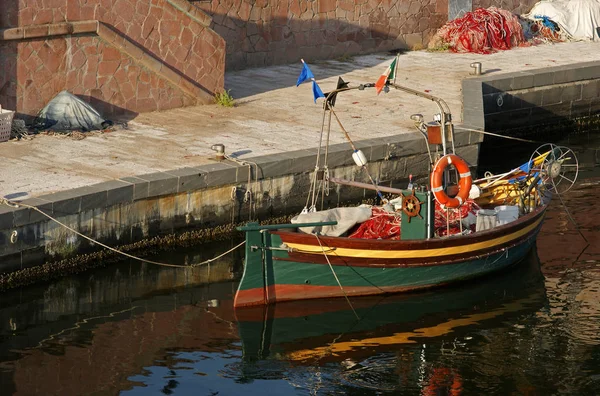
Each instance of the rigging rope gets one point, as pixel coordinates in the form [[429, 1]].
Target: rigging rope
[[18, 204], [312, 192], [335, 276], [355, 150], [325, 190]]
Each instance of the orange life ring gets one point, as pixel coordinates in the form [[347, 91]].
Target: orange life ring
[[464, 185], [443, 381]]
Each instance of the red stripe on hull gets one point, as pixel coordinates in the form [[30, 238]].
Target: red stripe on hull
[[250, 297], [279, 293], [301, 308]]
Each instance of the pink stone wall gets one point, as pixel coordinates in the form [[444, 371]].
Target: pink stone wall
[[265, 32], [179, 44], [516, 6], [8, 72], [101, 74]]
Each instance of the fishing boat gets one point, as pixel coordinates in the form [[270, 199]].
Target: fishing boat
[[451, 230]]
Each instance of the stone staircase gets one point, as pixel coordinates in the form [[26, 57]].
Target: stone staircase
[[124, 56]]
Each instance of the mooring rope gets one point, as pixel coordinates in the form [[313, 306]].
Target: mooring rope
[[568, 213], [78, 324], [335, 276], [500, 136], [249, 190], [18, 204], [515, 138]]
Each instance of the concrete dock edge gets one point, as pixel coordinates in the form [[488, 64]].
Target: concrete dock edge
[[130, 209], [501, 102]]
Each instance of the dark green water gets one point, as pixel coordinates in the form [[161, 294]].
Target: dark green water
[[140, 329]]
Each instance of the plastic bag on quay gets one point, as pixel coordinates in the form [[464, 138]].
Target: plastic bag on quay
[[66, 112]]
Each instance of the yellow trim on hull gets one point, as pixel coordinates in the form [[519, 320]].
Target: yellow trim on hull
[[408, 337], [398, 254]]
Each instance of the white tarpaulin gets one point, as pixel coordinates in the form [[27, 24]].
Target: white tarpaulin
[[66, 112], [579, 19], [346, 218]]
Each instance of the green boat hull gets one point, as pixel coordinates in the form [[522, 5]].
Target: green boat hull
[[285, 266]]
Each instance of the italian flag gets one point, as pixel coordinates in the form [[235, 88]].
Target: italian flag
[[387, 75]]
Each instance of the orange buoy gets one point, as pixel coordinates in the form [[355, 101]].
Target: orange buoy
[[464, 185]]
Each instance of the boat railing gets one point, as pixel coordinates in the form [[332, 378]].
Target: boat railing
[[257, 227]]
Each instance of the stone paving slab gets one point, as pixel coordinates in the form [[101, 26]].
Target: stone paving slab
[[272, 116]]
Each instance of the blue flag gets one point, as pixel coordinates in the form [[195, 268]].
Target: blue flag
[[317, 93], [305, 74]]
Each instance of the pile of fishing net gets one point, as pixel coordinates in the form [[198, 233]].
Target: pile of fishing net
[[481, 31], [381, 225], [386, 225], [542, 29], [452, 221]]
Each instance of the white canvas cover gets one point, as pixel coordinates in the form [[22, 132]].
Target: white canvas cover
[[346, 218], [66, 112], [580, 19]]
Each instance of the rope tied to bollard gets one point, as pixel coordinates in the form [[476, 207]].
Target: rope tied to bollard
[[22, 205]]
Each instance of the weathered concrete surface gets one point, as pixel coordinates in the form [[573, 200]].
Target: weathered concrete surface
[[272, 116]]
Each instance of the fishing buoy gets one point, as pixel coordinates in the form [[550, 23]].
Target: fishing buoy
[[359, 158], [475, 192]]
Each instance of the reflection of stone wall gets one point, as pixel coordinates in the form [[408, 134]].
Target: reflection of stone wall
[[45, 308], [135, 55], [118, 321], [265, 32], [112, 351]]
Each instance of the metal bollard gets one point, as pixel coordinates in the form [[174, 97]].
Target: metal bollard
[[476, 68], [220, 150]]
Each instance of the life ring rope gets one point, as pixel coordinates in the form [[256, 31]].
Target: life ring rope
[[464, 184]]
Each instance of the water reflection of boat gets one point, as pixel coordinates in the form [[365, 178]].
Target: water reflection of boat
[[318, 331]]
